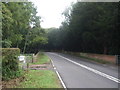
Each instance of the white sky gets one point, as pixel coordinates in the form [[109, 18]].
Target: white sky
[[50, 11]]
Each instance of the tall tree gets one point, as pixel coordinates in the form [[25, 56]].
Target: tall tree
[[21, 26], [90, 27]]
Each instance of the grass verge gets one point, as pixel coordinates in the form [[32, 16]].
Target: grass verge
[[89, 58], [40, 79], [42, 59]]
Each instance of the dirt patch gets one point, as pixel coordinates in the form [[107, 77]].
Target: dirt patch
[[12, 83], [109, 58], [47, 66], [103, 57]]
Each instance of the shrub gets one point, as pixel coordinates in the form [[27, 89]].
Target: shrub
[[10, 63]]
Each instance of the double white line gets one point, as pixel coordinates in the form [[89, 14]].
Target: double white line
[[92, 70]]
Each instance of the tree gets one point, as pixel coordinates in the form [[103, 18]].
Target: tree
[[89, 27], [21, 26]]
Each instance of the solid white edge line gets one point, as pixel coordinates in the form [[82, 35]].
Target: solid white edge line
[[92, 70], [63, 84]]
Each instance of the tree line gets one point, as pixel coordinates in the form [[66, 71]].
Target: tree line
[[21, 27], [88, 27]]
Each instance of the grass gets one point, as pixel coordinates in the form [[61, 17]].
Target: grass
[[40, 79], [42, 59]]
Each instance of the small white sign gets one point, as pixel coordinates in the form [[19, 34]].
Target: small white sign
[[21, 58]]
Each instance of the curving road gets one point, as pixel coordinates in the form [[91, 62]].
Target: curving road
[[81, 73]]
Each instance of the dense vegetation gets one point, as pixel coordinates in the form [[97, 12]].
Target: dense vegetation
[[88, 27], [21, 27], [10, 63]]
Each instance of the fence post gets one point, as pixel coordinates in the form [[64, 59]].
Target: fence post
[[27, 66], [32, 58]]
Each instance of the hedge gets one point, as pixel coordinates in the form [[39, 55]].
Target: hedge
[[10, 63]]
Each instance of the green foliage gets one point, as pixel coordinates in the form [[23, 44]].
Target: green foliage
[[88, 27], [39, 39], [10, 63], [21, 26], [16, 17], [36, 39], [6, 43]]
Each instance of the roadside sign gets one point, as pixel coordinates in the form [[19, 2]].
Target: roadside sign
[[21, 58]]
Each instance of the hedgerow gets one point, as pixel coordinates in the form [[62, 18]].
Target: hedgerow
[[10, 63]]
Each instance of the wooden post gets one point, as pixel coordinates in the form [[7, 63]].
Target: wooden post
[[27, 66], [32, 58]]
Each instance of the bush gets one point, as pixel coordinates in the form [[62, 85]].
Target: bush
[[10, 63]]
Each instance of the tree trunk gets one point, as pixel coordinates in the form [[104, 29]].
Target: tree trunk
[[105, 50]]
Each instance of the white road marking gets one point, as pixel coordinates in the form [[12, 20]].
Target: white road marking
[[63, 84], [91, 69]]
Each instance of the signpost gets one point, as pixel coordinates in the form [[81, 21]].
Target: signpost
[[22, 58], [25, 60]]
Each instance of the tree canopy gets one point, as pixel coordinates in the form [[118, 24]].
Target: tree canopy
[[21, 26], [89, 27]]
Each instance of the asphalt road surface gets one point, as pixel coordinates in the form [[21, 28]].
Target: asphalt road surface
[[81, 73]]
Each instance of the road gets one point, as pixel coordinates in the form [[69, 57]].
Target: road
[[81, 73]]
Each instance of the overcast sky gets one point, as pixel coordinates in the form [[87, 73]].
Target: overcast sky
[[50, 11]]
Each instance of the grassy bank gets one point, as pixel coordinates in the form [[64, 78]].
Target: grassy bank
[[88, 58], [41, 58], [40, 79], [95, 59]]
